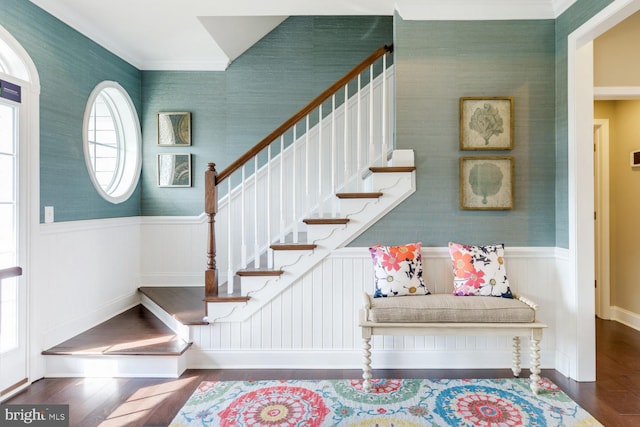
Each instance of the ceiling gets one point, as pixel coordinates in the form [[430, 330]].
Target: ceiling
[[210, 34]]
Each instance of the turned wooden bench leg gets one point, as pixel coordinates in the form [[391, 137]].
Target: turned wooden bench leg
[[366, 360], [536, 337], [516, 357]]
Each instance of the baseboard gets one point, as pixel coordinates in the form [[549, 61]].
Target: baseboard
[[349, 359], [625, 317]]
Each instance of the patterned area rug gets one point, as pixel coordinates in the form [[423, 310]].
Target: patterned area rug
[[392, 402]]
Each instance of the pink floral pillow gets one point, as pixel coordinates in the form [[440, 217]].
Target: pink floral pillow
[[479, 270], [398, 270]]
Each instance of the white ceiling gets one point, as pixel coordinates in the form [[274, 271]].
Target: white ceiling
[[210, 34]]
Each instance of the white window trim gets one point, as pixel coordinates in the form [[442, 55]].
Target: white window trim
[[132, 168]]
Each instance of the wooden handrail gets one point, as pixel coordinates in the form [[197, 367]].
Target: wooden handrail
[[339, 84], [6, 273]]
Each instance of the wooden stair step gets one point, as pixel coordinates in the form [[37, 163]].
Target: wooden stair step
[[249, 272], [224, 296], [183, 303], [323, 221], [371, 195], [135, 332], [391, 169], [293, 246]]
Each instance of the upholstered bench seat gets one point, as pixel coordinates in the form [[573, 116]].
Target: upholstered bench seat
[[444, 308], [447, 314]]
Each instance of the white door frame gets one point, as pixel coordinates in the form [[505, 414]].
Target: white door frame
[[602, 237], [24, 73], [580, 175]]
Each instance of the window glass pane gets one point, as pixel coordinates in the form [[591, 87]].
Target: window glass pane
[[8, 228], [8, 315], [6, 129], [111, 130], [7, 190]]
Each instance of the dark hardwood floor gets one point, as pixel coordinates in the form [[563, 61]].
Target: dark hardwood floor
[[614, 399]]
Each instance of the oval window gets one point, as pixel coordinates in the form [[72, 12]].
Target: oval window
[[112, 148]]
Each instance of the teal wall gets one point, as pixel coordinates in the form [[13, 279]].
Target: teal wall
[[566, 23], [437, 62], [233, 110], [69, 66]]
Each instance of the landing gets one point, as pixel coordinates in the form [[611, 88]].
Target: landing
[[135, 332]]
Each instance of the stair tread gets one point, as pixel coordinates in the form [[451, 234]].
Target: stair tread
[[184, 303], [134, 332], [311, 221], [262, 271], [364, 195], [223, 296], [293, 246], [390, 169]]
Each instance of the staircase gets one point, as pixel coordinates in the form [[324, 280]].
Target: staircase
[[310, 187]]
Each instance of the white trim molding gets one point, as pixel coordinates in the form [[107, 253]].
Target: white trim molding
[[607, 93], [580, 276]]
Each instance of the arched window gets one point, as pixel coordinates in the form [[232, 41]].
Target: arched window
[[112, 142]]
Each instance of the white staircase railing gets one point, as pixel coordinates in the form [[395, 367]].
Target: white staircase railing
[[322, 152]]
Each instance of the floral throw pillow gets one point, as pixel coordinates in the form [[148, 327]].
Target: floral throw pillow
[[479, 270], [398, 270]]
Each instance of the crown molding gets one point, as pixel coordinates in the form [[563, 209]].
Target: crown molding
[[473, 10]]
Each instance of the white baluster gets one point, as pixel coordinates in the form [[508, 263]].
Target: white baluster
[[372, 147], [269, 196], [345, 138], [243, 220], [320, 200], [256, 245], [358, 135], [306, 168], [385, 142], [294, 179], [230, 239], [334, 165], [282, 192]]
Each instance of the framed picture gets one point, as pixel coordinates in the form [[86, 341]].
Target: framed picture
[[174, 129], [486, 183], [174, 170], [486, 123]]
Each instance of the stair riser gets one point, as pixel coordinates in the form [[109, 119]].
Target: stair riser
[[316, 232], [384, 181], [115, 366], [251, 284], [284, 259]]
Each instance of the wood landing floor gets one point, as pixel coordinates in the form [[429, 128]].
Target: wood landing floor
[[614, 399]]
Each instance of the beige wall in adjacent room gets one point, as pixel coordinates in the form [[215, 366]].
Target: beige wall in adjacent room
[[617, 55], [624, 187]]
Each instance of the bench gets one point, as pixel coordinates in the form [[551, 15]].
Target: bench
[[447, 314]]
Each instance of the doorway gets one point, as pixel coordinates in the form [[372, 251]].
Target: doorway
[[19, 210], [601, 216], [13, 302], [580, 175]]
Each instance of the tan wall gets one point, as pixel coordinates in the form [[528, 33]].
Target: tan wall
[[616, 55], [624, 137]]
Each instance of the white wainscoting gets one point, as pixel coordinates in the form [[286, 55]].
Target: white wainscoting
[[85, 273], [313, 323]]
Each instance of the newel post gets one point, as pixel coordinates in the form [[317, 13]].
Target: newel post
[[210, 209]]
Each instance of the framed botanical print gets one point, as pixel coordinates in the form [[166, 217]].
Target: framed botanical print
[[486, 123]]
